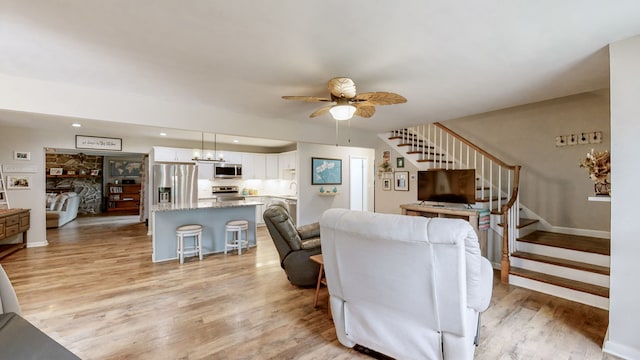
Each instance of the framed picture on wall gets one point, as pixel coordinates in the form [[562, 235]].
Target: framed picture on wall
[[386, 184], [400, 162], [18, 182], [326, 171], [401, 180]]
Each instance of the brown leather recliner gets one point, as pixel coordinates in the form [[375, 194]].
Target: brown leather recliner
[[294, 245]]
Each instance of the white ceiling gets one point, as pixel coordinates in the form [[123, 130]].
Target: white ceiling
[[448, 58]]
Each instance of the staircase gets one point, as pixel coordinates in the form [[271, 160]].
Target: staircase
[[568, 266]]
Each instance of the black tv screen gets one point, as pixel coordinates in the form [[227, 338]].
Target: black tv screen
[[450, 186]]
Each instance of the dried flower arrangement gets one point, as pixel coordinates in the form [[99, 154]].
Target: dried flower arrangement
[[598, 163]]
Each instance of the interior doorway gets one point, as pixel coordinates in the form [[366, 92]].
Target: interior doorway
[[358, 183]]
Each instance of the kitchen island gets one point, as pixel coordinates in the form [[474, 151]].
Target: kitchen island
[[212, 215]]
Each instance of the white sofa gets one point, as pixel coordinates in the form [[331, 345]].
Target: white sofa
[[62, 208], [405, 286]]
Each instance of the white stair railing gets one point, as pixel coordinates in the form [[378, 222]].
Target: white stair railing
[[436, 146]]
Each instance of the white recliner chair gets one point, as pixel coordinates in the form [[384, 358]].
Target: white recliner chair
[[405, 286]]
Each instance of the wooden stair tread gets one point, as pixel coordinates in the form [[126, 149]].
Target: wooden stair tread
[[567, 241], [560, 281], [524, 222], [562, 262]]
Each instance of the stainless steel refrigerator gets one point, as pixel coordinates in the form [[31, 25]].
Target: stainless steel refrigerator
[[175, 183]]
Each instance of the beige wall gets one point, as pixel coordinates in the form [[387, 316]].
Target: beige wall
[[552, 183], [389, 201]]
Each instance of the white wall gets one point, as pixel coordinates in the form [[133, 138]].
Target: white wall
[[310, 204], [624, 315]]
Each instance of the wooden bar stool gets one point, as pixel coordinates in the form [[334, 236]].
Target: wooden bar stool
[[190, 230], [235, 229]]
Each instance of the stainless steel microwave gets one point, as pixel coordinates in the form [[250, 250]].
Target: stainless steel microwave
[[227, 171]]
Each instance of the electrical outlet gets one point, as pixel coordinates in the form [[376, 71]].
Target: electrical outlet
[[572, 139], [561, 140], [595, 137], [583, 138]]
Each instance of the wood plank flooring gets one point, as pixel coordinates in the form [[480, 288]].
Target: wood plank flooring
[[95, 290]]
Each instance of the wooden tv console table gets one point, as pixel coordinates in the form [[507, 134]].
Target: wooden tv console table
[[12, 222], [471, 215]]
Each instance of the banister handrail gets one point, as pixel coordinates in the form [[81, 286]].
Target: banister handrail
[[473, 146]]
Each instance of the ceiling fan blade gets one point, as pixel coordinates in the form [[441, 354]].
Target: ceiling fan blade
[[381, 98], [307, 98], [365, 111], [321, 111], [342, 88]]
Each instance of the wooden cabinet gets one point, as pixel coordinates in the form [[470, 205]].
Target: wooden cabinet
[[123, 198], [13, 222]]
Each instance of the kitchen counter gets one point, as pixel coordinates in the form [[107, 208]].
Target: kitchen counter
[[212, 215]]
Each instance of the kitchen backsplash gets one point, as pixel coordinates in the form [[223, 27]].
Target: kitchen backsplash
[[263, 187]]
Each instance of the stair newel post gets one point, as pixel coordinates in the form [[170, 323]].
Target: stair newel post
[[505, 264]]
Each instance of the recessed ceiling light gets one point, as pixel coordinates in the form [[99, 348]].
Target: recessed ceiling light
[[76, 125], [163, 134], [236, 140]]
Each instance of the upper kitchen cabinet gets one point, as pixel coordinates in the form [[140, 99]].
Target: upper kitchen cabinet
[[167, 154], [205, 170], [231, 157], [253, 166], [271, 164], [287, 163]]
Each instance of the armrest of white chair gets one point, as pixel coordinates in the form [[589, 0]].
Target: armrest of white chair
[[486, 284]]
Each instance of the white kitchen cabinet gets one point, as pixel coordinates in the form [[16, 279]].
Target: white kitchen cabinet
[[271, 164], [167, 154], [205, 170], [231, 157], [253, 166], [287, 163]]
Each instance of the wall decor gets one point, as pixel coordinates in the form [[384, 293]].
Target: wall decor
[[55, 171], [326, 171], [98, 143], [386, 184], [13, 168], [401, 180], [400, 162], [21, 155], [125, 168], [18, 182]]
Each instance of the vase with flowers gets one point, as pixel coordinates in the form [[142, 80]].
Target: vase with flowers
[[598, 163]]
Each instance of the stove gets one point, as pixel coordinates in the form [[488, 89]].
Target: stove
[[226, 193]]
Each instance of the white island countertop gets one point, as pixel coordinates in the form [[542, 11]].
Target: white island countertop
[[204, 204]]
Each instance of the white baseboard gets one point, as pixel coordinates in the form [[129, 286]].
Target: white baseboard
[[619, 350], [31, 244]]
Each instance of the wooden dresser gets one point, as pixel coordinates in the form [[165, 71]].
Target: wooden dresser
[[12, 222]]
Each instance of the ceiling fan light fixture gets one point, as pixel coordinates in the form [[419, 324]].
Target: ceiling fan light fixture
[[342, 112]]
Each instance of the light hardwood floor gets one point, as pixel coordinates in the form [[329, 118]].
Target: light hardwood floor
[[95, 290]]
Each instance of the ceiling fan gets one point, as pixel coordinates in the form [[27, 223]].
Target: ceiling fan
[[345, 102]]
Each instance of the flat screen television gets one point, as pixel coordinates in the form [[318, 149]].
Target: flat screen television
[[448, 186]]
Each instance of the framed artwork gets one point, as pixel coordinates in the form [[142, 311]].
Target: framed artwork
[[326, 171], [21, 155], [55, 171], [401, 180], [98, 143], [400, 162], [386, 184], [125, 168], [18, 182]]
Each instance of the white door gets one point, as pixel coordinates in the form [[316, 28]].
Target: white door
[[358, 183]]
